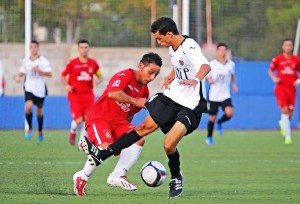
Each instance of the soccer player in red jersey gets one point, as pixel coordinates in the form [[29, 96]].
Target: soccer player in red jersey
[[110, 117], [286, 65], [78, 78]]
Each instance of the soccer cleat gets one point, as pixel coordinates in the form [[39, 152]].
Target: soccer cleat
[[72, 138], [282, 133], [92, 152], [121, 182], [79, 185], [175, 186], [41, 138], [79, 146], [220, 129], [288, 141], [209, 141], [28, 135]]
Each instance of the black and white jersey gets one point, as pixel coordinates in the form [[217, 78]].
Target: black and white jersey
[[221, 75], [186, 60], [34, 82]]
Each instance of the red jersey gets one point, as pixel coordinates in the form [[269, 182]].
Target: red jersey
[[286, 68], [107, 108], [80, 78]]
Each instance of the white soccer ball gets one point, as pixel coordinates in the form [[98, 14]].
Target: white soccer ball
[[153, 173]]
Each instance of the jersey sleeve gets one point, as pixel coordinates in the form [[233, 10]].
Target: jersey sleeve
[[45, 65], [118, 82], [232, 67], [67, 69], [194, 53], [273, 65]]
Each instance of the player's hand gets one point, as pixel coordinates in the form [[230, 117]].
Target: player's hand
[[190, 82], [167, 81], [276, 80], [297, 82], [18, 79], [210, 80], [235, 88], [69, 88], [140, 102]]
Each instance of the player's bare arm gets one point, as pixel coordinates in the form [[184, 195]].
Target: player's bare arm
[[273, 77], [210, 80], [65, 83], [234, 86], [203, 71], [40, 72], [19, 77], [168, 79], [122, 97]]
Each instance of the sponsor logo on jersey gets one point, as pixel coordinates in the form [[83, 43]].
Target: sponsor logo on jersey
[[181, 62], [116, 83], [84, 76], [192, 47], [124, 106], [107, 133]]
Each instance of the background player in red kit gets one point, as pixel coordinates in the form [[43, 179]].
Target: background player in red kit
[[287, 65], [110, 117], [78, 78]]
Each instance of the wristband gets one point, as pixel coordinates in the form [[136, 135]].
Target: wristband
[[195, 78]]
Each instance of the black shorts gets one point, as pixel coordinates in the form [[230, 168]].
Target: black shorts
[[39, 102], [165, 112], [214, 106]]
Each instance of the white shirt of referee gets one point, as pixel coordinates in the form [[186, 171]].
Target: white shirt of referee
[[34, 82], [186, 60], [222, 75]]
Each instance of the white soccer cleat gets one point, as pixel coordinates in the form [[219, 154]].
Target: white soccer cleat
[[79, 184], [121, 182]]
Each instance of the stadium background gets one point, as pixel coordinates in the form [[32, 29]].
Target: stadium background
[[119, 35]]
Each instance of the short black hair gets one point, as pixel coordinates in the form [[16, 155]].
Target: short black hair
[[151, 57], [221, 44], [164, 25], [83, 41], [34, 42], [287, 39]]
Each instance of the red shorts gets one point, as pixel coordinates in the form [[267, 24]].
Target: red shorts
[[285, 97], [102, 131], [79, 109]]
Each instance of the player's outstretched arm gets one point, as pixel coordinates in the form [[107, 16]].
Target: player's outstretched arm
[[19, 77], [122, 97]]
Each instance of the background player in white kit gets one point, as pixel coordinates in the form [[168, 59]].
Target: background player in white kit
[[219, 78], [177, 111], [35, 68]]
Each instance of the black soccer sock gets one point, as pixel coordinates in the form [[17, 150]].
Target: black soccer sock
[[210, 128], [123, 142], [223, 119], [40, 122], [174, 164], [28, 117]]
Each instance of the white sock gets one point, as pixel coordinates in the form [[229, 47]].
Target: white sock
[[82, 131], [127, 159], [286, 125], [88, 170], [73, 126]]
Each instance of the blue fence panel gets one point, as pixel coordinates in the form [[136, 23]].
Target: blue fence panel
[[254, 105]]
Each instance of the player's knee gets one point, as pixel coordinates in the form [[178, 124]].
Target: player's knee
[[169, 148], [212, 118], [141, 142], [229, 114]]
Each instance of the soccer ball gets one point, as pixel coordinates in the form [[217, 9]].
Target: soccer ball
[[153, 173]]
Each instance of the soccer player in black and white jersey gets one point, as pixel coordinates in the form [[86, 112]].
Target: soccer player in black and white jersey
[[35, 68], [219, 78], [177, 111]]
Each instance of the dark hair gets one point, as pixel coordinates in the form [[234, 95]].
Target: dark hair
[[34, 42], [164, 25], [287, 39], [83, 41], [151, 57], [221, 44]]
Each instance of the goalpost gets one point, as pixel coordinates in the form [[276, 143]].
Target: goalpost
[[28, 31], [297, 39]]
